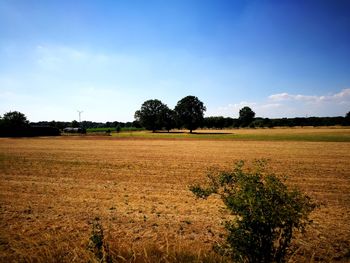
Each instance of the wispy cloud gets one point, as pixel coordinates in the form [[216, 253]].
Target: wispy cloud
[[291, 105], [343, 95]]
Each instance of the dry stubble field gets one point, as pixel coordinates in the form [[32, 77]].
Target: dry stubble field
[[51, 189]]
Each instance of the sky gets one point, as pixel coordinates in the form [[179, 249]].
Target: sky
[[105, 58]]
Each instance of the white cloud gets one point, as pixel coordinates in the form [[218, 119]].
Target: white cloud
[[290, 105], [342, 95], [231, 110], [279, 96]]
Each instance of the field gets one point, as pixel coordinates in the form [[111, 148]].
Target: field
[[334, 134], [96, 130], [52, 189]]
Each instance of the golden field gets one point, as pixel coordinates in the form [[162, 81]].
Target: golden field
[[51, 189]]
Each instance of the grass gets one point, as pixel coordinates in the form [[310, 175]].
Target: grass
[[52, 188], [276, 134], [113, 129]]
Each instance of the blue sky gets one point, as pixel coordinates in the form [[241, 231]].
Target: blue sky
[[281, 58]]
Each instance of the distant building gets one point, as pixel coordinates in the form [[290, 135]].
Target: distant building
[[74, 130]]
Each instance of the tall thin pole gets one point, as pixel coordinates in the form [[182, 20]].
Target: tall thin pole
[[80, 112]]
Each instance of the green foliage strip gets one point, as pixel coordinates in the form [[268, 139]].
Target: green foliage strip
[[267, 212]]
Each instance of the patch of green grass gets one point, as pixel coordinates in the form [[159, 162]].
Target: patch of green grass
[[99, 129], [125, 129], [237, 135], [113, 129]]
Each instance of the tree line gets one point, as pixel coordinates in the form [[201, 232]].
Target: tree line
[[86, 124], [188, 113], [154, 115], [15, 124], [227, 122]]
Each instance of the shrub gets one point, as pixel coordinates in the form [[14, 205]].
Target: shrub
[[97, 243], [266, 212]]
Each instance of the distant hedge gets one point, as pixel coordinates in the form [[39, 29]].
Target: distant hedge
[[29, 132]]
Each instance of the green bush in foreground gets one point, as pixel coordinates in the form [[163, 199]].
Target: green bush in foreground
[[266, 212]]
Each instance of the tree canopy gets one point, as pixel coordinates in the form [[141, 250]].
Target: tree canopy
[[75, 124], [189, 112], [152, 114], [14, 120], [246, 116], [168, 119], [347, 119], [15, 124]]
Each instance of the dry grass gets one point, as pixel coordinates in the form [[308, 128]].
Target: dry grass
[[52, 188]]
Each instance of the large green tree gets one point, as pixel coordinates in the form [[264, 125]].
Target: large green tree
[[246, 116], [151, 114], [189, 112], [168, 119], [14, 120], [75, 124], [347, 118], [13, 123]]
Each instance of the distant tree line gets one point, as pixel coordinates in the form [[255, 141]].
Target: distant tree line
[[15, 124], [188, 113], [154, 115], [227, 122], [87, 124]]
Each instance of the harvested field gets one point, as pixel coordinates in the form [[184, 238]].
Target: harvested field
[[51, 189]]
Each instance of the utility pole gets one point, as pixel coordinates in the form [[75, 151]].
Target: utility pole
[[80, 112]]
